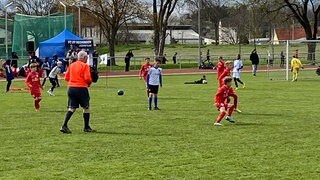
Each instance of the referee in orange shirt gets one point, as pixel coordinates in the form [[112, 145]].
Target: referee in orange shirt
[[78, 78]]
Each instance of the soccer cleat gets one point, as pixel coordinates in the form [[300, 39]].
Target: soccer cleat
[[244, 85], [50, 93], [149, 108], [156, 108], [236, 88], [230, 119], [217, 124], [238, 110], [65, 129], [89, 130], [37, 110]]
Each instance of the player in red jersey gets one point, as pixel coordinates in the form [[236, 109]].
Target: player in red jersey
[[33, 82], [221, 101], [226, 72], [144, 71], [220, 66]]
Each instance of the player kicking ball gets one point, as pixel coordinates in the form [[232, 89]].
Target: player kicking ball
[[154, 80], [221, 101]]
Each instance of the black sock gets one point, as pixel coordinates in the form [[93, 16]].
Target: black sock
[[86, 118], [235, 82], [67, 118]]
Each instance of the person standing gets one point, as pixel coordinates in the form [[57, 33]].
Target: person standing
[[33, 82], [144, 72], [208, 55], [9, 74], [95, 56], [79, 79], [254, 58], [174, 58], [295, 67], [46, 70], [154, 80], [282, 58], [129, 55], [237, 66]]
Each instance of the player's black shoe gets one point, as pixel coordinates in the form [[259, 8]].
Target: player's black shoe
[[89, 130], [65, 129], [156, 108], [149, 108]]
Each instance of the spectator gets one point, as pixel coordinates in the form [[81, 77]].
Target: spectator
[[95, 56], [174, 58], [129, 55], [254, 58], [164, 59], [282, 57], [208, 55], [9, 75]]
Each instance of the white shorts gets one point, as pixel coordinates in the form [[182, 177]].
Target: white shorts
[[236, 75]]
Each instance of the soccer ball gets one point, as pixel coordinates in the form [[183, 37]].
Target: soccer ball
[[204, 82], [120, 92]]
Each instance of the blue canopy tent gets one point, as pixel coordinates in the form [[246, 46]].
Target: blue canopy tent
[[56, 45]]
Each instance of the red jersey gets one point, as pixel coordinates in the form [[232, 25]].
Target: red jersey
[[220, 68], [225, 73], [33, 82], [144, 71], [223, 93]]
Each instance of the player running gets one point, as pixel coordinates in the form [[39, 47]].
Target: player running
[[237, 66], [221, 101], [226, 72], [33, 82], [53, 76], [220, 66]]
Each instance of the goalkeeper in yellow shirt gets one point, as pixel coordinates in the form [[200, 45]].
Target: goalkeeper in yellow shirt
[[295, 67]]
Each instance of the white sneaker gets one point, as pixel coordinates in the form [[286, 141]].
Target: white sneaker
[[50, 93], [217, 124]]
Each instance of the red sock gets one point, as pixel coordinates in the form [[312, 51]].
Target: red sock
[[220, 116], [230, 111], [36, 103]]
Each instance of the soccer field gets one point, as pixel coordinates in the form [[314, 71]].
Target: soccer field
[[275, 137]]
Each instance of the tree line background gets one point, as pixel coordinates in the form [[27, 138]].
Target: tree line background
[[251, 18]]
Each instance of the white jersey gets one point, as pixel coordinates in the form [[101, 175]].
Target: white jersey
[[54, 72], [237, 65], [154, 76]]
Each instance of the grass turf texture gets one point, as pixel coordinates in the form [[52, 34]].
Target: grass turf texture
[[276, 136]]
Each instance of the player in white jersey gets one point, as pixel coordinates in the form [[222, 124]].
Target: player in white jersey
[[53, 76], [237, 66], [154, 80]]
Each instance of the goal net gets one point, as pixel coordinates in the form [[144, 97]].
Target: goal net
[[280, 54]]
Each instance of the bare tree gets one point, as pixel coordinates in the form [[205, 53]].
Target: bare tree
[[35, 7], [162, 10], [307, 14], [112, 14]]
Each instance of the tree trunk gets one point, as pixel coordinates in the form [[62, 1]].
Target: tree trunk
[[311, 52], [216, 33], [112, 43], [162, 42], [156, 35]]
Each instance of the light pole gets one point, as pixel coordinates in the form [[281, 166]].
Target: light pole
[[6, 33], [65, 14], [199, 31]]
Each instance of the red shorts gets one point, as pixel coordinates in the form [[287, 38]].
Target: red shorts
[[221, 105], [36, 94]]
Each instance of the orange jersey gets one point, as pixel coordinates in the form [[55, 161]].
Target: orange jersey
[[144, 71], [220, 68], [78, 75], [223, 93], [225, 73]]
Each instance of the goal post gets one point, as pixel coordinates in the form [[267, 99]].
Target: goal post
[[280, 54]]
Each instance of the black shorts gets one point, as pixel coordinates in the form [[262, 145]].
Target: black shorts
[[78, 96], [153, 89]]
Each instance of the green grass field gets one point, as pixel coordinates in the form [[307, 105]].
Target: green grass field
[[276, 136]]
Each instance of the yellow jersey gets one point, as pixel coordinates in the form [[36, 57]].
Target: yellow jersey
[[295, 63]]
